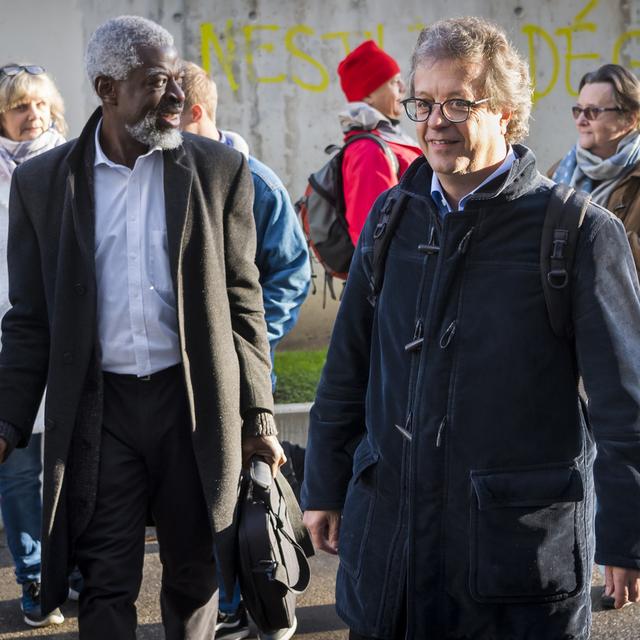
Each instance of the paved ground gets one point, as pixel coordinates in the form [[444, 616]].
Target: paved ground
[[316, 615]]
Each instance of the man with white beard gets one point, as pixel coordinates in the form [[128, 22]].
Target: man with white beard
[[135, 295]]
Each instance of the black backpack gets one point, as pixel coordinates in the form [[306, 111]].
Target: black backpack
[[560, 232], [322, 211], [273, 547]]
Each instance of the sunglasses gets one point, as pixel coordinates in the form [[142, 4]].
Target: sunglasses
[[15, 69], [592, 113]]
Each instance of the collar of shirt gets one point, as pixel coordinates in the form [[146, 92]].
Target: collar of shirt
[[224, 139], [101, 158], [437, 193]]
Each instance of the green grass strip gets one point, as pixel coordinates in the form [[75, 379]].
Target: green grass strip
[[298, 375]]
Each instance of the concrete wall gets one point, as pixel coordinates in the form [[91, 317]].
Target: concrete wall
[[275, 60]]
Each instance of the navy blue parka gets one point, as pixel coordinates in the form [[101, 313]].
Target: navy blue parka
[[464, 463]]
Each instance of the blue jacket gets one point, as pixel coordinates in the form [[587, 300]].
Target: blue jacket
[[282, 256], [471, 488]]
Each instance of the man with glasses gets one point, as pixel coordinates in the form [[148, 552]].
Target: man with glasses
[[450, 460]]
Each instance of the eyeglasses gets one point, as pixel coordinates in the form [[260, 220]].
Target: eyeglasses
[[455, 110], [592, 113], [15, 69]]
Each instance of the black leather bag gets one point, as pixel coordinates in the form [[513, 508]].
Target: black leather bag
[[273, 547]]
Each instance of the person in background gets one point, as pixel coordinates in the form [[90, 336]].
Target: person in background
[[31, 122], [467, 507], [281, 257], [605, 161], [371, 82]]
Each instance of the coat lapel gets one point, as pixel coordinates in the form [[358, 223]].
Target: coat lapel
[[178, 177], [80, 190]]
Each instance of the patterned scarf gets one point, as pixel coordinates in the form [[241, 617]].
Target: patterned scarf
[[581, 168], [363, 117], [12, 153]]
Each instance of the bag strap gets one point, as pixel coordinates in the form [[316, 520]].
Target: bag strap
[[382, 235], [564, 216], [295, 515], [391, 157], [279, 573], [301, 541]]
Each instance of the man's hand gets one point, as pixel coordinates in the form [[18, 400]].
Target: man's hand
[[3, 449], [266, 447], [324, 527], [622, 584]]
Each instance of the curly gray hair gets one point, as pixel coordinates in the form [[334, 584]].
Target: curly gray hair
[[506, 77], [112, 48]]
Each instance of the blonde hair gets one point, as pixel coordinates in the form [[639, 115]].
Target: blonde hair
[[199, 88], [476, 40], [14, 90]]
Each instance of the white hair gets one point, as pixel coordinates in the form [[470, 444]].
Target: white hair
[[112, 49]]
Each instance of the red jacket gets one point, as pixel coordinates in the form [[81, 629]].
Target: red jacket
[[366, 173]]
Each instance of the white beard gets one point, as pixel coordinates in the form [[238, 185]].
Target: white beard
[[147, 132]]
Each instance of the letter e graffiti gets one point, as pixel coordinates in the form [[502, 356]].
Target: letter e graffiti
[[296, 52]]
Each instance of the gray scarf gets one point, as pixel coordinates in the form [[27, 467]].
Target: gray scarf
[[582, 169], [13, 152], [359, 116]]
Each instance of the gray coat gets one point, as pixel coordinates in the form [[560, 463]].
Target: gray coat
[[49, 334]]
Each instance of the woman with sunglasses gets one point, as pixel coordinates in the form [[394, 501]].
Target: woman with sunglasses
[[605, 161], [31, 122]]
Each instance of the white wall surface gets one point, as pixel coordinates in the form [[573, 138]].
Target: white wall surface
[[275, 60]]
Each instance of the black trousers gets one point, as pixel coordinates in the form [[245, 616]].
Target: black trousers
[[147, 465]]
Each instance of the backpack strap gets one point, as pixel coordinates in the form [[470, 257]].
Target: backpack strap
[[391, 157], [392, 211], [564, 216]]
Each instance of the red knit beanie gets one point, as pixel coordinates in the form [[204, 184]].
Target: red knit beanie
[[365, 69]]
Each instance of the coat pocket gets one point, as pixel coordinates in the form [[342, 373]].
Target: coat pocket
[[526, 534], [357, 512]]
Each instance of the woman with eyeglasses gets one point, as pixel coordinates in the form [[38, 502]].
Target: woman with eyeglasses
[[31, 122], [605, 161]]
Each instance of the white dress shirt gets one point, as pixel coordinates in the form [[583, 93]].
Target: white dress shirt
[[437, 194], [137, 319]]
